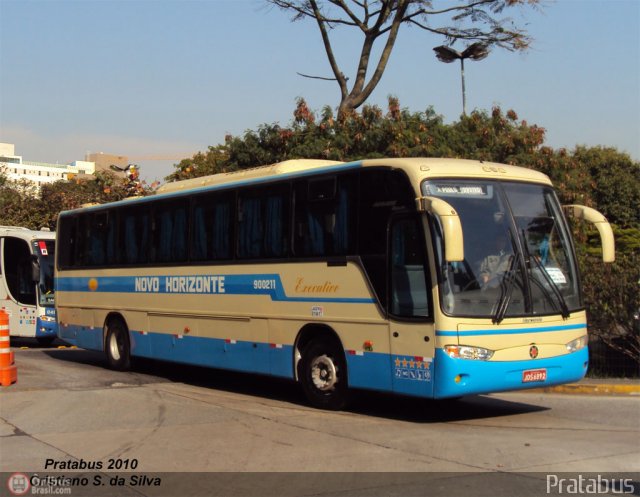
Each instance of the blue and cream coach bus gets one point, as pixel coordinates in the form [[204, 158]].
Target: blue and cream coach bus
[[427, 277], [26, 282]]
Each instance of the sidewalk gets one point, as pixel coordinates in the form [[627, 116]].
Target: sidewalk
[[596, 386]]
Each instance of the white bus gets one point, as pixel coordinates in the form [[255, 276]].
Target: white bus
[[26, 282], [428, 277]]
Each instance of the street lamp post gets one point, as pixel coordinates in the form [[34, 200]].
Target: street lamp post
[[475, 51]]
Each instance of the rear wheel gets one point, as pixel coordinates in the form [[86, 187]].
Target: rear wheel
[[323, 374], [117, 346]]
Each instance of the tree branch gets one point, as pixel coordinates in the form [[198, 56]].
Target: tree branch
[[342, 81], [401, 8], [476, 20], [318, 77], [355, 20]]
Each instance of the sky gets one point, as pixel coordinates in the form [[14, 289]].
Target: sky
[[168, 78]]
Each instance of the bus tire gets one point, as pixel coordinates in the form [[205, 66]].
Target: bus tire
[[117, 346], [323, 374]]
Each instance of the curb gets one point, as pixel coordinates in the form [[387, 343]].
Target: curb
[[593, 389]]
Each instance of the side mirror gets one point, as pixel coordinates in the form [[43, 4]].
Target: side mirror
[[600, 222], [451, 226]]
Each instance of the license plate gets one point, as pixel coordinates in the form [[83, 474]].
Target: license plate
[[534, 375]]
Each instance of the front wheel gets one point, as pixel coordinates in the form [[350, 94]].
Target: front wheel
[[117, 346], [323, 374]]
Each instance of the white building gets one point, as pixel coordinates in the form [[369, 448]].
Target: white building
[[39, 173]]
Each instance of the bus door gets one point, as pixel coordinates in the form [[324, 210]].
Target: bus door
[[410, 310], [17, 286]]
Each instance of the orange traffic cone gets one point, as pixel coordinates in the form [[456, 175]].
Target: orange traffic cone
[[8, 370]]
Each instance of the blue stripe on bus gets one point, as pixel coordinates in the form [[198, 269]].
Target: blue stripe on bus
[[509, 331], [369, 370], [200, 284], [252, 357], [438, 378]]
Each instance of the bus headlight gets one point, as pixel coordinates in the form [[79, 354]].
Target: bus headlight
[[577, 344], [467, 352]]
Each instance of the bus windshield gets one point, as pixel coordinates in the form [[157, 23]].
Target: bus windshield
[[45, 252], [518, 256]]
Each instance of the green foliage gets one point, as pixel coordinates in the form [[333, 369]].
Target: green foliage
[[21, 205], [202, 164], [612, 297], [627, 240], [369, 134], [18, 207], [615, 183]]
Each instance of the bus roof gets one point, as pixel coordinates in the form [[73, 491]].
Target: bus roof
[[416, 168], [279, 168], [420, 168]]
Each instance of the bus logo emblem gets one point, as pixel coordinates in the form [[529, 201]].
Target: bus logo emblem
[[533, 352]]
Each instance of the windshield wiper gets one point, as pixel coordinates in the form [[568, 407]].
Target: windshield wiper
[[506, 289], [560, 300]]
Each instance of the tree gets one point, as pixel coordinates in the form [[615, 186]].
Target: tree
[[202, 164], [380, 20], [22, 205], [612, 298]]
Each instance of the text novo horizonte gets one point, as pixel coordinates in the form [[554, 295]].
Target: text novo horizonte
[[180, 284]]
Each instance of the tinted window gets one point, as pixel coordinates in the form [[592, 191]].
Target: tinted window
[[212, 223], [67, 234], [170, 231], [409, 295], [134, 233], [383, 193], [99, 246], [325, 216], [263, 223]]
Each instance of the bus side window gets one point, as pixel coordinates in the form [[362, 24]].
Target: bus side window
[[383, 192], [211, 229], [97, 245], [409, 290], [325, 217], [67, 232], [263, 223], [134, 234], [82, 247], [170, 231]]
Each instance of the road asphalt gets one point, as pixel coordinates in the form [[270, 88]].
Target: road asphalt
[[597, 386]]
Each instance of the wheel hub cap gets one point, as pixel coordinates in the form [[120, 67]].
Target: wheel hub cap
[[323, 373]]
